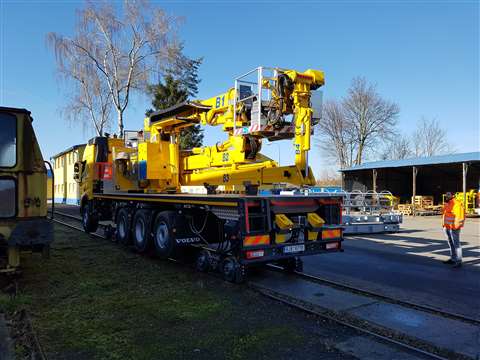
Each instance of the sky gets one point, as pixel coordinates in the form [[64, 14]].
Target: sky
[[422, 55]]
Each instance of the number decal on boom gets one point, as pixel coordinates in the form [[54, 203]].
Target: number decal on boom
[[217, 101]]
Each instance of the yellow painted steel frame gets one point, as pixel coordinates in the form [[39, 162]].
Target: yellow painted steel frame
[[226, 163]]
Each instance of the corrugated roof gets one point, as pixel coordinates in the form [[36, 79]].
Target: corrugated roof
[[74, 147], [431, 160]]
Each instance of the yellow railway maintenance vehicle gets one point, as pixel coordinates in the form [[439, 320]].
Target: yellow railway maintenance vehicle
[[23, 190], [136, 182]]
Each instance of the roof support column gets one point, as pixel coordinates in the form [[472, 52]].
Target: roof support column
[[414, 187], [374, 180], [464, 183]]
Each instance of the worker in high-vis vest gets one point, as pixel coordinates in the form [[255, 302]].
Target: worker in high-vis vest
[[452, 221]]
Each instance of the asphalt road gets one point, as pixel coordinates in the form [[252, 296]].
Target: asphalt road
[[407, 266]]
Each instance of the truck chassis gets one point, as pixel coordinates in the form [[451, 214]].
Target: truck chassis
[[227, 232]]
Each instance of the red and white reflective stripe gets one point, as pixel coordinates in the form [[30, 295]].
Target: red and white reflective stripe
[[254, 128]]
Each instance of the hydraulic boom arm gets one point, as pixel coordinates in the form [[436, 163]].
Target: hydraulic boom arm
[[265, 103]]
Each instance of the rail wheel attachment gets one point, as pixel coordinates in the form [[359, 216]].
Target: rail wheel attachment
[[204, 261], [89, 219], [232, 271], [291, 265]]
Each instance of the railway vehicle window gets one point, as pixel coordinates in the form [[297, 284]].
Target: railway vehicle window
[[7, 198], [8, 140]]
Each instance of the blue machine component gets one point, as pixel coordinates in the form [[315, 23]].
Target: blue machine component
[[142, 170], [329, 189]]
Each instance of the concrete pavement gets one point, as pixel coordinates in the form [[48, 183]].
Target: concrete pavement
[[445, 334], [407, 266]]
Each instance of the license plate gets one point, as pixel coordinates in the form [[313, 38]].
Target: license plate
[[293, 249]]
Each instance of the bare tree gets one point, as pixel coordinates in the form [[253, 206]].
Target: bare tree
[[89, 100], [124, 52], [329, 178], [399, 148], [336, 135], [372, 118], [430, 139]]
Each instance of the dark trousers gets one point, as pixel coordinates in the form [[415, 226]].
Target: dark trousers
[[454, 243]]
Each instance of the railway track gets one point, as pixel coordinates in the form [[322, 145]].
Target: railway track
[[422, 350], [425, 308], [73, 217], [373, 334]]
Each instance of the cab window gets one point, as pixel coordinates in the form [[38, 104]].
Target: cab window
[[7, 198], [8, 140]]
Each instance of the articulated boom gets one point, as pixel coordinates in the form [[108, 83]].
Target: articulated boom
[[136, 181], [266, 103]]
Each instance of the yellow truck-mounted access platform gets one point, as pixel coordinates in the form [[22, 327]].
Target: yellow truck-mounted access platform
[[136, 181]]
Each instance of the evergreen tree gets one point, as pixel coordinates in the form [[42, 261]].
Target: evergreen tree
[[178, 85]]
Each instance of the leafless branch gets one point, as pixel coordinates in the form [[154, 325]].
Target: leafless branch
[[121, 50], [430, 139], [371, 117]]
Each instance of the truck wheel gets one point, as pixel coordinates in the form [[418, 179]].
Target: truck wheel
[[89, 220], [163, 236], [141, 231], [122, 233]]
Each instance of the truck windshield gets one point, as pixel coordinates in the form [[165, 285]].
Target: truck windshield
[[8, 140]]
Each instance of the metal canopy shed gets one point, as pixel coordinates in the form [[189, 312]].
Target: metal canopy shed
[[434, 175]]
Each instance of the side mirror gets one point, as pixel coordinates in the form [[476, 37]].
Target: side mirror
[[77, 171]]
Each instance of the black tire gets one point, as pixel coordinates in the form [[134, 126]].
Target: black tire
[[163, 235], [123, 230], [141, 231], [89, 219]]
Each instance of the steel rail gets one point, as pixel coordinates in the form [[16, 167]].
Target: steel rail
[[271, 294], [426, 308], [77, 218]]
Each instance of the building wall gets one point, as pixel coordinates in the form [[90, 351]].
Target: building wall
[[67, 190], [49, 188]]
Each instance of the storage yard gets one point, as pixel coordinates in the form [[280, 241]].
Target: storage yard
[[72, 302], [251, 180]]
